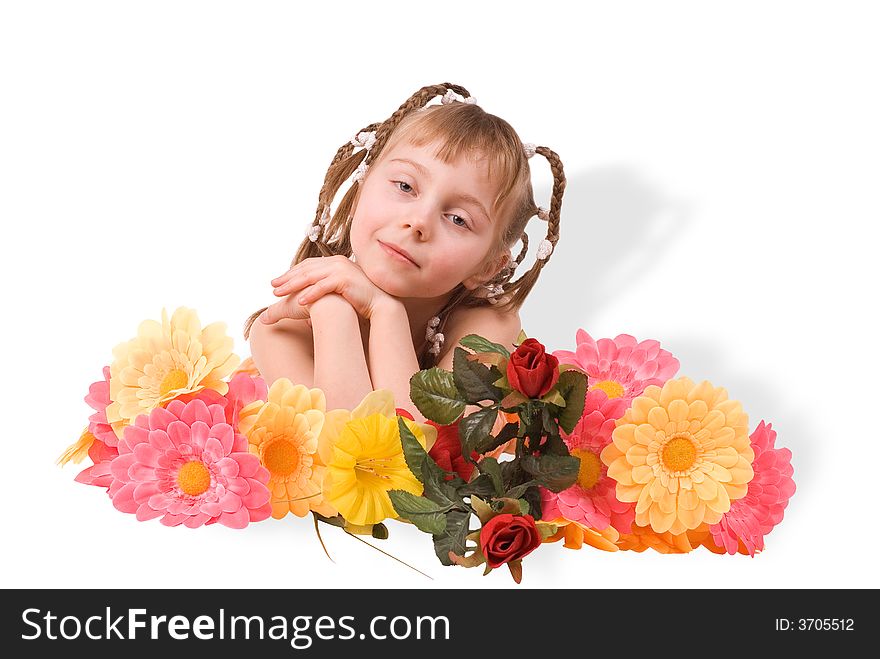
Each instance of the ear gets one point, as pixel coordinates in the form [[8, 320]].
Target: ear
[[488, 270]]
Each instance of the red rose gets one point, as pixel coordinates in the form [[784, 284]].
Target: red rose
[[507, 537], [447, 451], [531, 371]]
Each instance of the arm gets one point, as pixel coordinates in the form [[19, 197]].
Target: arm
[[393, 358], [282, 350], [340, 366]]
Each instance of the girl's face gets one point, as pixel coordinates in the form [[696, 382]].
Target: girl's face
[[421, 226]]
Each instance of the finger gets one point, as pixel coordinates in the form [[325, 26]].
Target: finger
[[299, 277], [316, 291], [302, 266], [286, 308], [296, 282]]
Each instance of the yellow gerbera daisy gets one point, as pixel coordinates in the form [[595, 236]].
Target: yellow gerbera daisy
[[165, 360], [364, 458], [283, 432], [682, 453]]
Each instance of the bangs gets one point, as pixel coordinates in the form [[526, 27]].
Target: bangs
[[467, 131]]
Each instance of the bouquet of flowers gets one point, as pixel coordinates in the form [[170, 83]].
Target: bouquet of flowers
[[599, 446]]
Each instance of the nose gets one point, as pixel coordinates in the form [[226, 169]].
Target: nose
[[419, 221]]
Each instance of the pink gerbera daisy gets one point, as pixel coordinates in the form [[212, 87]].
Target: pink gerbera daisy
[[98, 399], [243, 390], [754, 516], [592, 500], [621, 367], [186, 464], [102, 449]]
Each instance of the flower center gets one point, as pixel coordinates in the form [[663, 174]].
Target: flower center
[[590, 469], [281, 457], [175, 379], [194, 478], [679, 454], [610, 387]]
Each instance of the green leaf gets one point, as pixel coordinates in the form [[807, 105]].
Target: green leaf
[[521, 338], [520, 490], [572, 387], [417, 459], [506, 433], [482, 486], [524, 507], [513, 399], [478, 344], [555, 445], [491, 468], [425, 514], [555, 472], [473, 379], [503, 383], [453, 539], [438, 489], [533, 498], [554, 397], [476, 429], [434, 393]]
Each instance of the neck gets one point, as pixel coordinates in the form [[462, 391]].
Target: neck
[[420, 310]]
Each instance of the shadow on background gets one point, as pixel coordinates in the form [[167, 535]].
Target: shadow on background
[[615, 228]]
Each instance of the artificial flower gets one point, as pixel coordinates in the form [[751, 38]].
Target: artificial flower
[[77, 451], [682, 454], [165, 360], [186, 464], [531, 371], [283, 432], [446, 452], [102, 457], [621, 367], [364, 456], [641, 538], [576, 535], [98, 399], [749, 519], [591, 501], [508, 537]]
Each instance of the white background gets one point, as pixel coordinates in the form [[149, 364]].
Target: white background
[[722, 164]]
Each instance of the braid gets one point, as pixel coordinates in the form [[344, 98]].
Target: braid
[[517, 290]]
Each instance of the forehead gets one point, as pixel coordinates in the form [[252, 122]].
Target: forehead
[[469, 170]]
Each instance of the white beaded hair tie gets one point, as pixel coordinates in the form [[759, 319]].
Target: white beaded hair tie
[[360, 172], [545, 249], [451, 97], [435, 337], [494, 291], [543, 213], [364, 139], [529, 148]]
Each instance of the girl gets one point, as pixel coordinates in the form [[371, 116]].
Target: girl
[[416, 256]]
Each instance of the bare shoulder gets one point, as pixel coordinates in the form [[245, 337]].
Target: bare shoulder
[[493, 324], [283, 349]]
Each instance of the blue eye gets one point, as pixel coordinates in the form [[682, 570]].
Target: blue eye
[[463, 222], [400, 185]]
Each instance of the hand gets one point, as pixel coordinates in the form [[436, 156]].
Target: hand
[[313, 278]]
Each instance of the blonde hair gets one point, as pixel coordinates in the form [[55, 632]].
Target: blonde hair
[[462, 130]]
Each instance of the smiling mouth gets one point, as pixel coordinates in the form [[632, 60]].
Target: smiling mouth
[[397, 255]]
